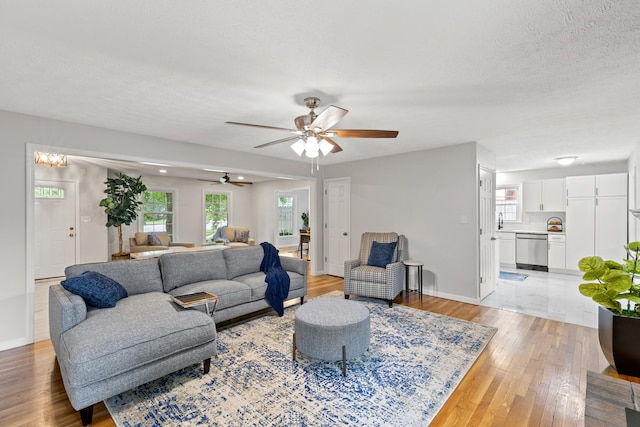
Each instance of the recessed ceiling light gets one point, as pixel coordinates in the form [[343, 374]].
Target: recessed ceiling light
[[154, 164], [566, 160], [162, 171], [241, 177]]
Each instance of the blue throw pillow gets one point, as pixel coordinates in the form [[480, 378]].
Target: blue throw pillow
[[154, 240], [96, 289], [381, 254]]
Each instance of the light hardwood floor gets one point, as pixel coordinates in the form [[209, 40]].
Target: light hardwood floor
[[532, 373]]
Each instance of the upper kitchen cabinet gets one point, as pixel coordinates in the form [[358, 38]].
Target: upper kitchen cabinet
[[546, 195], [581, 186], [614, 184]]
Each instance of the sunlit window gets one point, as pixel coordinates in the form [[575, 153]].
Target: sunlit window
[[508, 203]]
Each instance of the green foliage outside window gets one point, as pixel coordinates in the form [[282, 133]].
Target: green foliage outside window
[[158, 211], [216, 210]]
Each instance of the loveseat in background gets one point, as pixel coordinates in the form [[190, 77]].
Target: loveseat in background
[[140, 242]]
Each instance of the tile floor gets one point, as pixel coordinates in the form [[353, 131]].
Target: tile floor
[[548, 295]]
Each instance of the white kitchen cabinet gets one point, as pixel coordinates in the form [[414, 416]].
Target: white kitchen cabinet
[[614, 184], [611, 227], [557, 251], [581, 186], [580, 228], [507, 243], [596, 218], [545, 195]]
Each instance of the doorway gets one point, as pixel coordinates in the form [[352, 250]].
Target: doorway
[[54, 227], [337, 205], [488, 244]]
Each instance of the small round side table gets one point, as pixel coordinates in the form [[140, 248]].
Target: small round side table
[[407, 265]]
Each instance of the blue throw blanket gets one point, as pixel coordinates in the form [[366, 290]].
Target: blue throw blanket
[[277, 279]]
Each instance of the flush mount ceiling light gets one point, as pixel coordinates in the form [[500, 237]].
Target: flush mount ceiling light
[[566, 160], [50, 159]]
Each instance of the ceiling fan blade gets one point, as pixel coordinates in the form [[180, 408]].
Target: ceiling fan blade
[[289, 138], [365, 133], [329, 117], [239, 183], [336, 148], [263, 127], [208, 180]]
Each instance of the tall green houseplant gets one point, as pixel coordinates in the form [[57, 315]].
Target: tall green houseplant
[[122, 202]]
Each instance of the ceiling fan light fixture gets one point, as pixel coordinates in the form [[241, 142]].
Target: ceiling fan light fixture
[[325, 147], [566, 160], [312, 154], [298, 146]]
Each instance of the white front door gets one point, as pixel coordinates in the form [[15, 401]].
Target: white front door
[[488, 242], [55, 228], [337, 202]]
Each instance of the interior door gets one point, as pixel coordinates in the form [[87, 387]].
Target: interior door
[[488, 242], [54, 228], [337, 202]]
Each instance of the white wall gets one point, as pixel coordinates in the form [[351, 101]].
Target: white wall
[[265, 212], [19, 132], [633, 167], [431, 197]]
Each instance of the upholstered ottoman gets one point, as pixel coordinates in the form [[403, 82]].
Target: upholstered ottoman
[[331, 329]]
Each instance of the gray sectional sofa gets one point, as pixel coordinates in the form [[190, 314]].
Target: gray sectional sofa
[[105, 351]]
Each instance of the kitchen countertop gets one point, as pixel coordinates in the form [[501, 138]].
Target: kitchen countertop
[[530, 231]]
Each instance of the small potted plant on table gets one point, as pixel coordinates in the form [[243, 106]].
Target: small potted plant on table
[[613, 286]]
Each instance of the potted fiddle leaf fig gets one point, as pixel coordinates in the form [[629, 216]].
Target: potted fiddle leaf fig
[[122, 203], [613, 285]]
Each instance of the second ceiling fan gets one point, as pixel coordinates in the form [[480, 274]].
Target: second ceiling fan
[[226, 180], [313, 133]]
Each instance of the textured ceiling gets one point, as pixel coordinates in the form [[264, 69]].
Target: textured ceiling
[[530, 80]]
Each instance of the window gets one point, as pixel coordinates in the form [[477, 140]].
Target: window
[[508, 203], [49, 192], [158, 212], [216, 213], [285, 214]]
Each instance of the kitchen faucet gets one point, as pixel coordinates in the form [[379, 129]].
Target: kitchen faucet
[[500, 221]]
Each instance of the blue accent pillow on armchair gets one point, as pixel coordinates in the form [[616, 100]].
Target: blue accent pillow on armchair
[[96, 289], [381, 254]]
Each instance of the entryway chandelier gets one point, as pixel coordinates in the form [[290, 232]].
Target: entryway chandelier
[[50, 159]]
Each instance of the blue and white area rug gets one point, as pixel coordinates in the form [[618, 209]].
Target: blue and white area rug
[[415, 361], [518, 277]]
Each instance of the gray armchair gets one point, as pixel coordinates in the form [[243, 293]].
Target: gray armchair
[[372, 281]]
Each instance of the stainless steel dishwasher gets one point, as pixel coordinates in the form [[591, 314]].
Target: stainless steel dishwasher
[[532, 251]]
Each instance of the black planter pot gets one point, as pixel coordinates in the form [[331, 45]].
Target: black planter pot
[[620, 341]]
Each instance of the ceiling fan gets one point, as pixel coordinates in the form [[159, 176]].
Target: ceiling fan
[[226, 180], [313, 132]]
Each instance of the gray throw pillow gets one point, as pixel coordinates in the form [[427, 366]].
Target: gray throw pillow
[[242, 236], [154, 240]]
